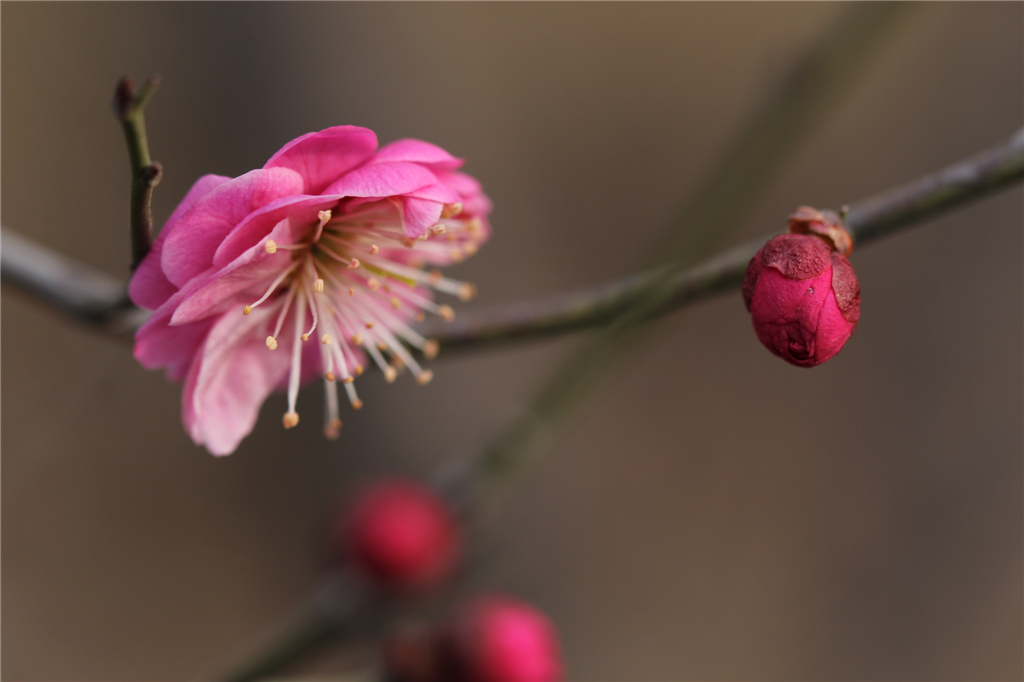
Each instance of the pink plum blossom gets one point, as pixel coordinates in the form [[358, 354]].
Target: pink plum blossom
[[303, 268], [801, 291]]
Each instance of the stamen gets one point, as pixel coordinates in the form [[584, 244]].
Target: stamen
[[396, 302], [325, 339], [369, 325], [446, 313], [358, 369], [271, 343], [357, 340], [324, 216], [467, 291], [280, 278], [318, 286], [354, 264], [349, 379], [451, 210], [270, 246], [284, 311], [431, 348], [312, 310], [373, 283], [290, 419], [438, 229], [329, 376], [374, 250], [390, 374], [424, 377], [333, 428], [296, 371]]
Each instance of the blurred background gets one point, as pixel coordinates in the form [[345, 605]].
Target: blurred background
[[712, 512]]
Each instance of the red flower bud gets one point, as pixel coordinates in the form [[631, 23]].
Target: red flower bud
[[801, 291], [402, 535], [490, 639]]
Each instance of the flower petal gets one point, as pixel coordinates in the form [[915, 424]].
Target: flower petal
[[149, 287], [321, 158], [158, 345], [301, 211], [417, 151], [229, 380], [383, 180], [190, 247], [418, 215]]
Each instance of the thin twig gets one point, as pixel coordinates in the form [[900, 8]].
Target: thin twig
[[129, 106]]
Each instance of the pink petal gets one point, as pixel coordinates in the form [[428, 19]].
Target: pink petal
[[382, 180], [418, 215], [229, 380], [777, 296], [321, 158], [149, 287], [436, 192], [189, 248], [417, 151], [300, 210], [159, 345]]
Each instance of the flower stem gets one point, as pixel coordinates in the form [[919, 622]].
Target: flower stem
[[129, 105]]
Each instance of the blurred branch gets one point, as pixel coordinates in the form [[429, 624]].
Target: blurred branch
[[878, 216], [129, 105]]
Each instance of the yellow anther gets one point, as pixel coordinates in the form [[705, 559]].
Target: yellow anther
[[353, 264], [290, 419], [369, 325], [390, 374], [396, 302], [373, 283], [446, 313], [374, 250], [351, 292], [271, 343], [246, 310], [470, 249], [329, 376], [357, 339], [381, 345], [474, 226], [333, 429], [324, 216], [358, 369], [457, 255], [407, 242], [318, 286], [423, 237], [434, 276], [349, 379], [424, 377], [325, 339], [397, 364], [431, 348], [467, 291], [305, 337], [451, 210], [270, 246], [420, 316], [438, 229], [357, 404]]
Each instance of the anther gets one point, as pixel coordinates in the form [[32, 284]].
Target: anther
[[431, 348], [357, 339], [457, 256], [333, 429], [446, 313], [407, 242], [369, 325], [474, 225], [325, 339], [423, 237], [435, 276], [451, 210], [438, 229], [290, 419], [318, 286], [358, 369], [271, 343], [246, 310], [357, 404], [467, 291], [270, 246], [373, 283], [374, 250], [382, 346], [470, 249], [420, 317], [396, 302], [349, 379], [351, 292], [390, 374], [304, 337], [329, 376], [424, 377], [353, 264]]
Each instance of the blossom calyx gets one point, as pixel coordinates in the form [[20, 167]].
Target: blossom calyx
[[402, 535], [801, 290]]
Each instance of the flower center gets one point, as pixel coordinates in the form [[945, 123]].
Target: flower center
[[361, 282]]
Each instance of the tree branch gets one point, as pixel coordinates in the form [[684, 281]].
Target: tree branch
[[129, 105]]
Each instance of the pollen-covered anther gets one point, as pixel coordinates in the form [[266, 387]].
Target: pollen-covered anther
[[435, 276], [374, 250], [325, 339], [446, 313], [270, 246], [474, 226], [451, 210], [467, 291], [332, 429], [408, 242], [424, 377], [290, 419], [353, 264], [381, 346], [304, 337], [423, 237], [369, 325], [357, 339], [457, 255], [431, 348], [438, 229], [420, 316], [324, 216], [357, 404], [373, 283], [469, 249], [358, 369], [390, 374], [318, 286], [351, 292], [271, 343], [349, 379], [396, 302], [246, 310], [329, 376]]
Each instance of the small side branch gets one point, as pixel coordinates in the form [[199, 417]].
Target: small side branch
[[129, 104]]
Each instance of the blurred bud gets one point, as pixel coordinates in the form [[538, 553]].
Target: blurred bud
[[802, 292], [402, 535], [490, 639]]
